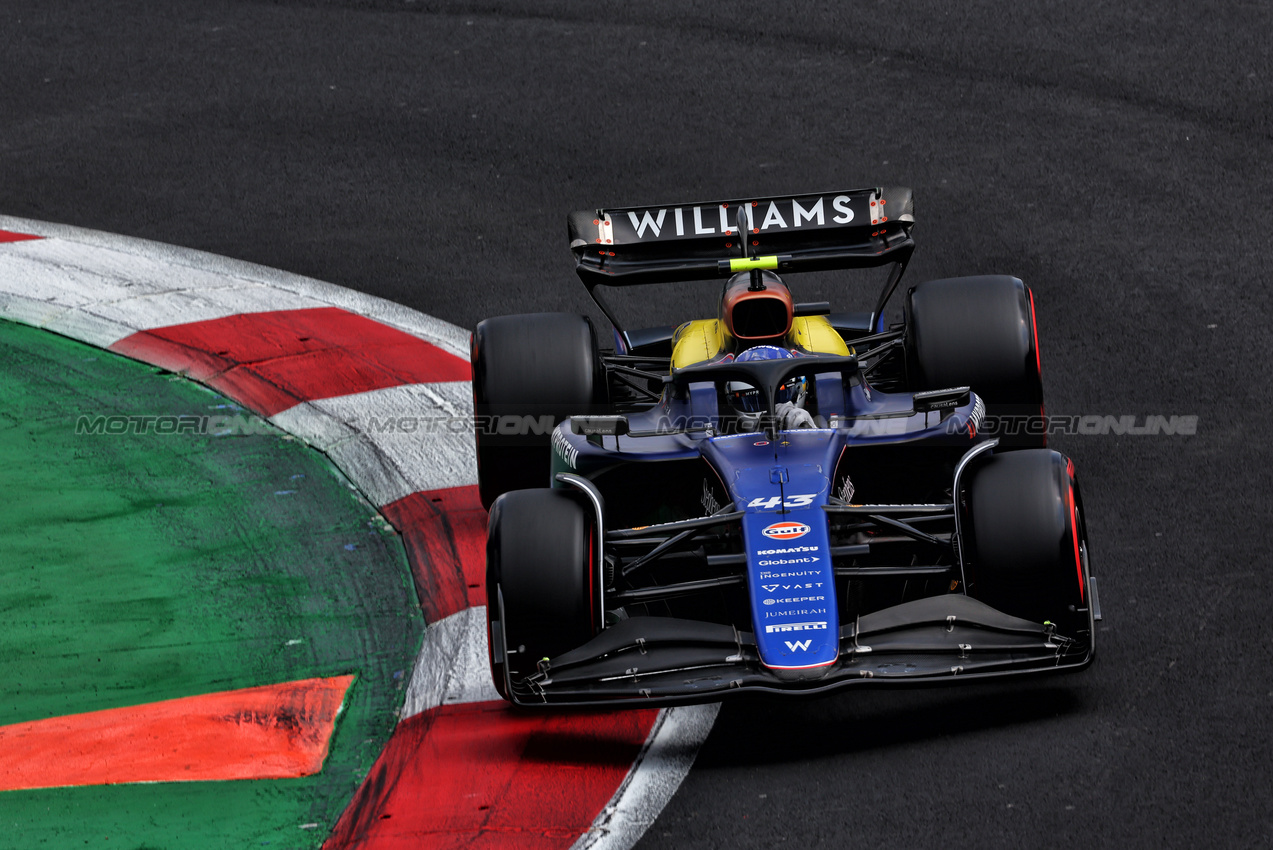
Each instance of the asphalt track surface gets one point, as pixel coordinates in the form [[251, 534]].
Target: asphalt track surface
[[1114, 156]]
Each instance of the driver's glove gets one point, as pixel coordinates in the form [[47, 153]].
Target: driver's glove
[[791, 417]]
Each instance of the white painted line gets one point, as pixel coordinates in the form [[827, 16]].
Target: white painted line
[[396, 441], [68, 321], [112, 268], [655, 775], [452, 666], [199, 305], [129, 292]]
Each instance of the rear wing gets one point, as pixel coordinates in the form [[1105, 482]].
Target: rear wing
[[832, 230], [859, 228]]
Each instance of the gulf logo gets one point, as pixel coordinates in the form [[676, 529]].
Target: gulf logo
[[786, 530]]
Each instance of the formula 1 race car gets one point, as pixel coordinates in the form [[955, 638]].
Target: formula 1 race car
[[777, 498]]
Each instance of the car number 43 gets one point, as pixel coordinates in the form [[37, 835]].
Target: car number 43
[[775, 501]]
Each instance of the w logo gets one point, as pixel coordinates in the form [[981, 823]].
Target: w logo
[[649, 221], [802, 645]]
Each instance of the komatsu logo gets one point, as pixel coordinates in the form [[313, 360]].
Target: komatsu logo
[[786, 550]]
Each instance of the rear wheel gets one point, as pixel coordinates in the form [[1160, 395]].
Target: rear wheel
[[529, 373], [979, 332], [1025, 542], [540, 581]]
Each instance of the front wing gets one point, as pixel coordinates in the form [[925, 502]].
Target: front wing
[[940, 639]]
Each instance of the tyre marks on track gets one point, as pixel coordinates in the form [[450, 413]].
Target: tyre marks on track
[[401, 440], [445, 534], [272, 361], [270, 732], [528, 780]]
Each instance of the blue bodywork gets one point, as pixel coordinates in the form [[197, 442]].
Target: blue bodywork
[[782, 485], [782, 482]]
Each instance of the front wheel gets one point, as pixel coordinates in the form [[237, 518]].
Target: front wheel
[[1025, 541], [541, 581]]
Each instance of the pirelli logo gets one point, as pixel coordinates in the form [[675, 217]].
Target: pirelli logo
[[796, 627]]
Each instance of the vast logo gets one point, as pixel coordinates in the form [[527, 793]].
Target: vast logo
[[802, 645], [786, 530]]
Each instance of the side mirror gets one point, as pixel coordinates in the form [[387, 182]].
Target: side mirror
[[942, 401]]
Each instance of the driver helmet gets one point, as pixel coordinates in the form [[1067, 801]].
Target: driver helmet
[[748, 399]]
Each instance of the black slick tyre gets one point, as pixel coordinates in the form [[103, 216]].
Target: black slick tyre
[[1025, 542], [529, 373], [980, 332], [541, 581]]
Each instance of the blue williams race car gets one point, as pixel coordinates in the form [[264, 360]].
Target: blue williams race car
[[776, 498]]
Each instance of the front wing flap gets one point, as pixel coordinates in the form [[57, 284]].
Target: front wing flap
[[663, 660]]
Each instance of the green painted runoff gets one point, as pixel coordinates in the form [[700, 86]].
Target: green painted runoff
[[139, 566]]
